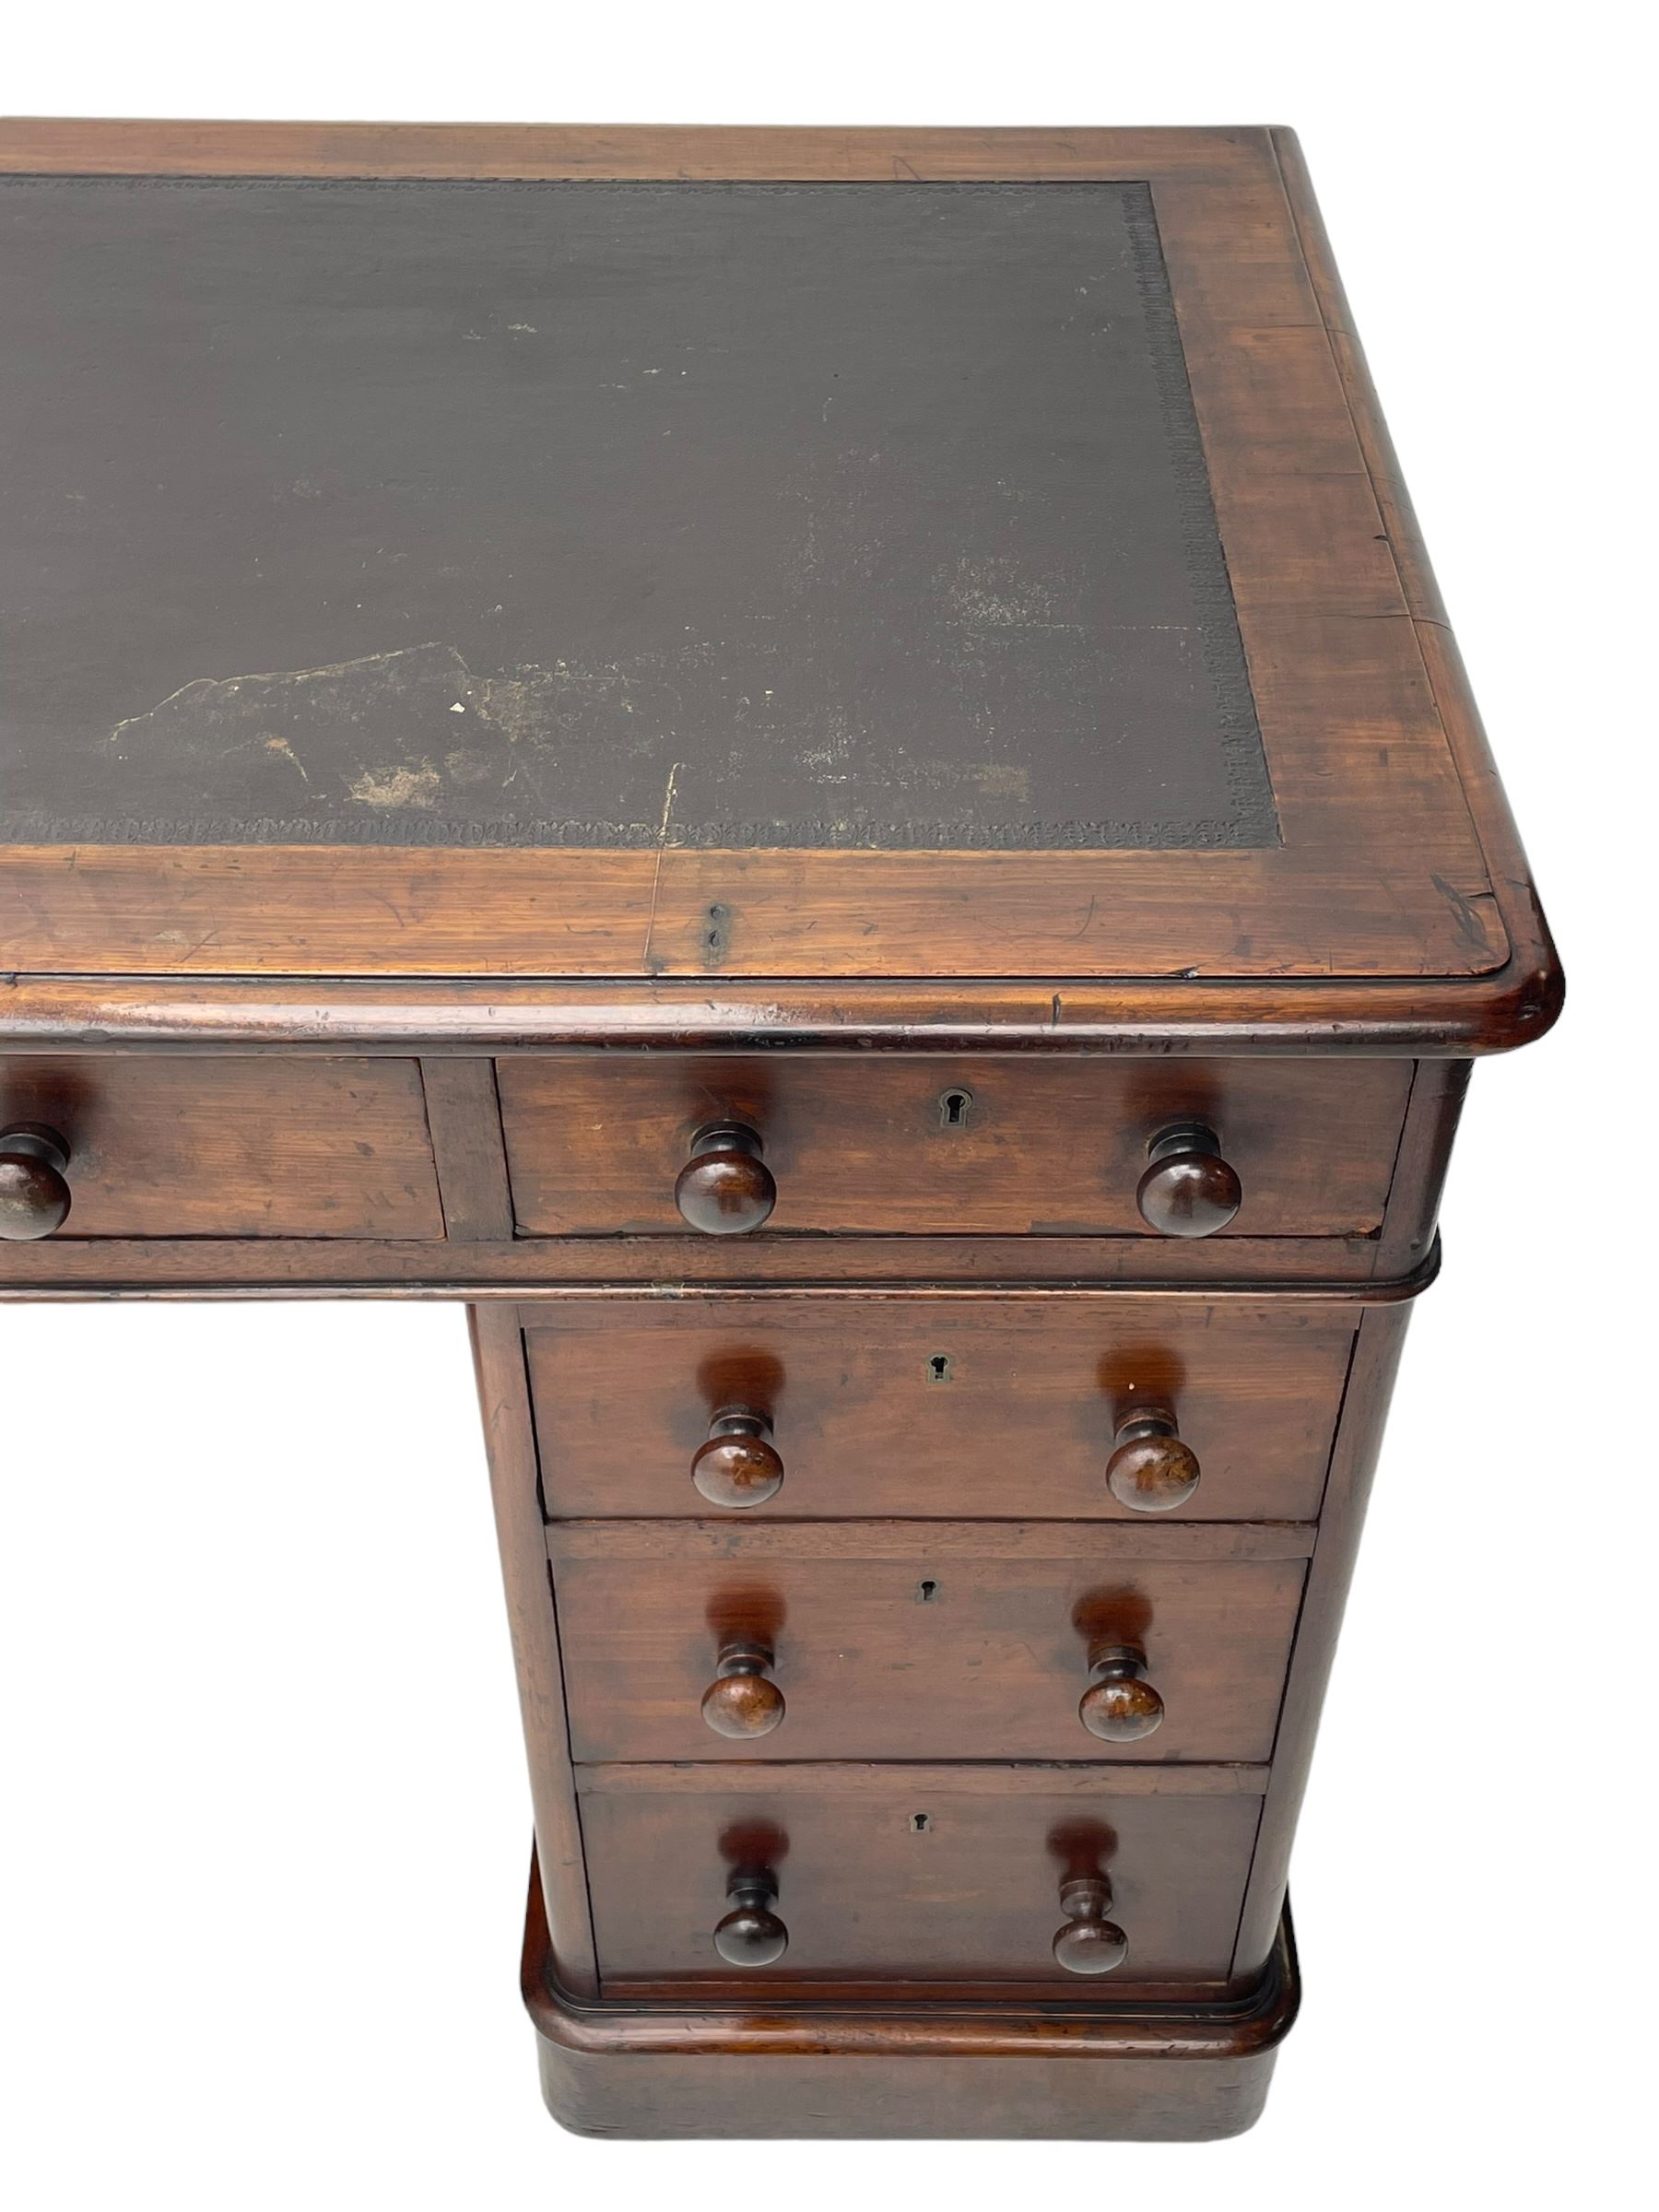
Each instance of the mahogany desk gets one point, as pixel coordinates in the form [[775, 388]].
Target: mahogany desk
[[821, 769]]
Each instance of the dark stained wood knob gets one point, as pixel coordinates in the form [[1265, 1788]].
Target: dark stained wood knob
[[34, 1192], [751, 1933], [1120, 1705], [737, 1466], [1188, 1190], [726, 1188], [740, 1701], [1151, 1471], [1089, 1943]]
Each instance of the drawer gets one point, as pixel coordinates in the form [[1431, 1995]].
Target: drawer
[[882, 1875], [985, 1405], [266, 1147], [927, 1147], [852, 1641]]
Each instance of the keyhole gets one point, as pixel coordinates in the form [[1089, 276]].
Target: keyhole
[[955, 1106], [927, 1593], [938, 1368], [920, 1824]]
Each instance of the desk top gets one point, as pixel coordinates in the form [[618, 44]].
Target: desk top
[[682, 557]]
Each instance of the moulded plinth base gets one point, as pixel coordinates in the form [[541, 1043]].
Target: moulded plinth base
[[1060, 2072]]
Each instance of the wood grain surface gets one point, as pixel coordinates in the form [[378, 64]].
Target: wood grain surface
[[921, 1654], [1049, 1149], [561, 1875], [1019, 1424], [869, 1897], [178, 1149]]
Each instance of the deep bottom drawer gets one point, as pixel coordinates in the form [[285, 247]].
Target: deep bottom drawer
[[887, 1876]]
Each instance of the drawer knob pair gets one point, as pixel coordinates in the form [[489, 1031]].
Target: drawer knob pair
[[34, 1192], [725, 1189], [752, 1935], [1120, 1705], [1150, 1471]]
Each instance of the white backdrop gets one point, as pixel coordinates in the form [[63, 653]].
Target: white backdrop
[[265, 1830]]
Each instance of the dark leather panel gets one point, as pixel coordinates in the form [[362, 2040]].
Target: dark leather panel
[[597, 513]]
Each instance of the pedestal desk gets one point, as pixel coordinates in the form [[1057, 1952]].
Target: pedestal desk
[[821, 770]]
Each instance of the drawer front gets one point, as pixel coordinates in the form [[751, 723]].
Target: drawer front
[[265, 1147], [869, 1146], [884, 1876], [955, 1407], [858, 1643]]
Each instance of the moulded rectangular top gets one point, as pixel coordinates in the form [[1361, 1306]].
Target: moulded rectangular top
[[694, 558]]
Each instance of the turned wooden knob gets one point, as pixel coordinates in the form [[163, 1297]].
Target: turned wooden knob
[[751, 1933], [34, 1194], [737, 1466], [1188, 1190], [1120, 1705], [740, 1701], [1151, 1471], [726, 1188], [1089, 1943]]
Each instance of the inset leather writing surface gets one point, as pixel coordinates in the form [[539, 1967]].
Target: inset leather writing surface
[[585, 514]]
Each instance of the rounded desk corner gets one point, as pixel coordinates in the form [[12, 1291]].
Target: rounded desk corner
[[1522, 1001]]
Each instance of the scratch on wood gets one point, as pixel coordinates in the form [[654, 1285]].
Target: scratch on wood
[[1470, 926]]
